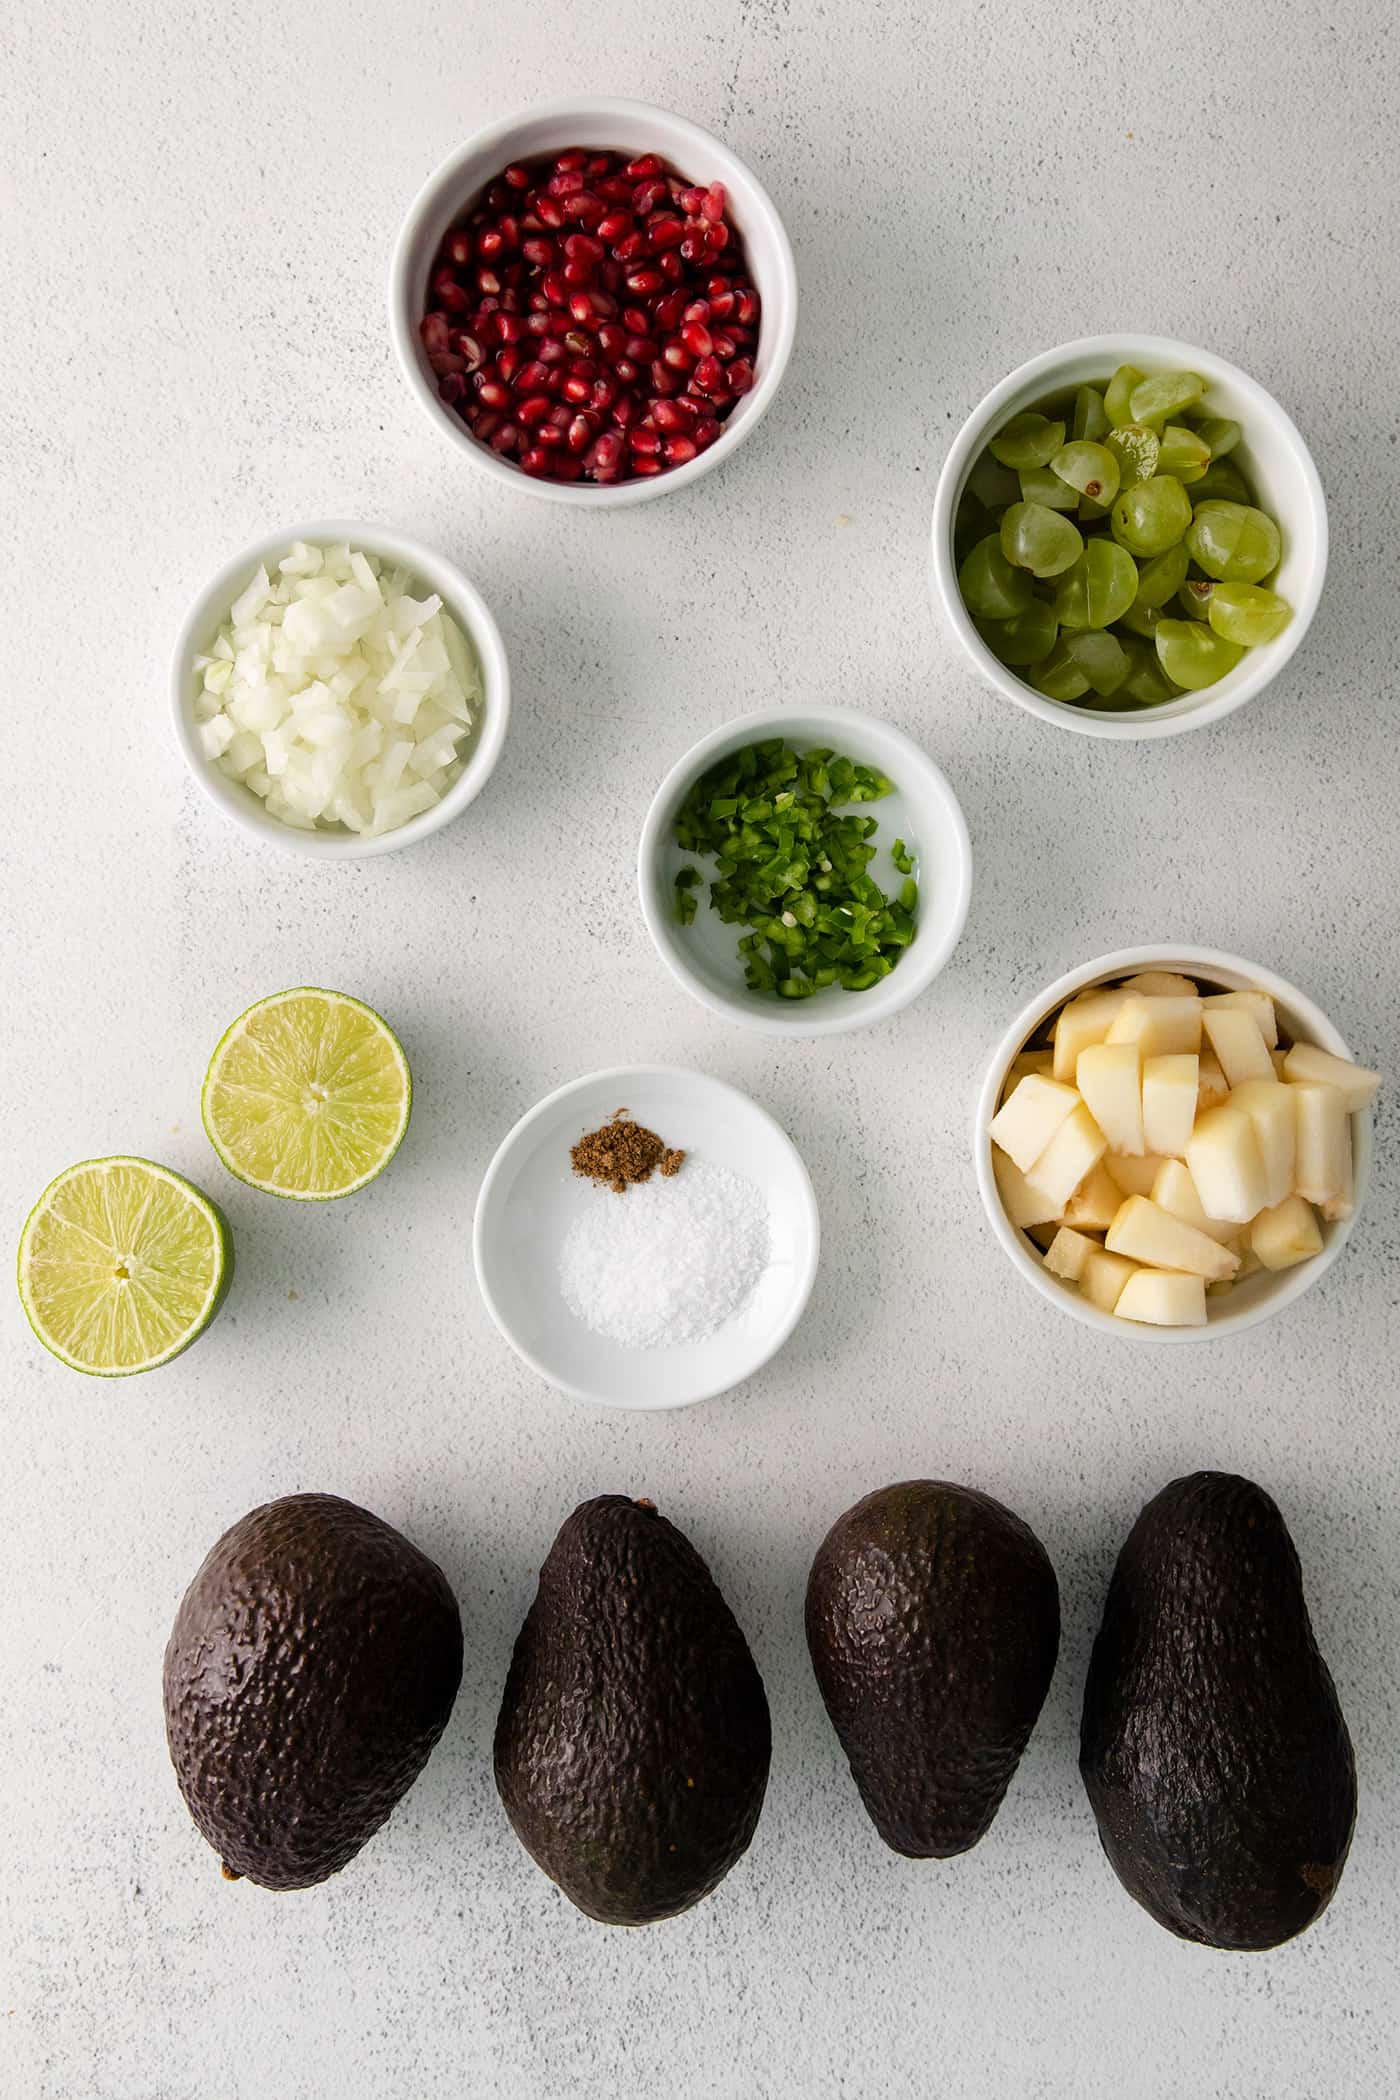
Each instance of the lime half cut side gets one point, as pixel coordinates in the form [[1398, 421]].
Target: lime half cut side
[[122, 1264], [307, 1095]]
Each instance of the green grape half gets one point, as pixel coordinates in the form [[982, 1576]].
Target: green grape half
[[1026, 638], [992, 483], [1184, 453], [1118, 394], [1151, 517], [1244, 613], [1041, 540], [1222, 482], [1194, 597], [1060, 677], [1043, 485], [1234, 542], [1165, 394], [1220, 433], [1089, 468], [1089, 418], [1098, 588], [1136, 449], [1028, 441], [1146, 683], [1141, 619], [991, 588], [1193, 655], [1101, 657], [1162, 577]]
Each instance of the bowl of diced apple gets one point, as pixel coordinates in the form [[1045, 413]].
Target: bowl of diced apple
[[1172, 1143]]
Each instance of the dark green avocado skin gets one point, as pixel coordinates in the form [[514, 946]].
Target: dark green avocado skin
[[1213, 1747], [633, 1741], [933, 1621], [312, 1667]]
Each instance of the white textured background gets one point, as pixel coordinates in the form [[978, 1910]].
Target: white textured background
[[196, 209]]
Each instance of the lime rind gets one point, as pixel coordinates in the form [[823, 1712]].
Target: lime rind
[[191, 1328], [253, 1100]]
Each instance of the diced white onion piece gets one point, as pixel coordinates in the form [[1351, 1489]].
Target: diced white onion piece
[[335, 693]]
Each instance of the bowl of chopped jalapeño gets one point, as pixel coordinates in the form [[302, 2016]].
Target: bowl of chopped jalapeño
[[805, 872]]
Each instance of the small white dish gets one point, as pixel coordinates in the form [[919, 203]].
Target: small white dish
[[1258, 1296], [460, 598], [599, 121], [1272, 454], [923, 811], [531, 1196]]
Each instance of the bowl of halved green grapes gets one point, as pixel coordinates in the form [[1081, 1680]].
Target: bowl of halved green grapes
[[1129, 537]]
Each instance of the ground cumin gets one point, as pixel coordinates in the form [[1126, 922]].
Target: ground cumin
[[623, 1152]]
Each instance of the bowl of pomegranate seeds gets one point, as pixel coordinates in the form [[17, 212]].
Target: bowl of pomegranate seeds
[[594, 298]]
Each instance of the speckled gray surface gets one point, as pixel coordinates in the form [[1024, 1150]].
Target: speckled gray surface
[[197, 209]]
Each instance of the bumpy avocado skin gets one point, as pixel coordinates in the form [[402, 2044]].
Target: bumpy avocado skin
[[1213, 1747], [313, 1665], [633, 1741], [933, 1621]]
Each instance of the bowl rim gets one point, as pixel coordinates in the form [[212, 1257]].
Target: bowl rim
[[1192, 711], [609, 1077], [1289, 1284], [463, 599], [403, 327], [932, 949]]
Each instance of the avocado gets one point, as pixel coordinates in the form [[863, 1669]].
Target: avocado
[[312, 1666], [633, 1741], [933, 1621], [1213, 1747]]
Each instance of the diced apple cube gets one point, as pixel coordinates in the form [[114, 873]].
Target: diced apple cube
[[1069, 1250], [1308, 1065], [1109, 1077], [1160, 1027], [1174, 1190], [1083, 1021], [1324, 1143], [1214, 1086], [1095, 1203], [1077, 1146], [1226, 1165], [1032, 1114], [1259, 1004], [1024, 1205], [1152, 1236], [1342, 1204], [1274, 1114], [1236, 1040], [1104, 1277], [1163, 1301], [1134, 1176], [1024, 1062], [1160, 984], [1285, 1235], [1169, 1089]]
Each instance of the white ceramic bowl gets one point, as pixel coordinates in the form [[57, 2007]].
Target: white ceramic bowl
[[1273, 456], [482, 748], [923, 811], [599, 121], [1257, 1296], [531, 1196]]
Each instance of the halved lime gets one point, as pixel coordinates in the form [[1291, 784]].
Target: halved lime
[[122, 1264], [307, 1095]]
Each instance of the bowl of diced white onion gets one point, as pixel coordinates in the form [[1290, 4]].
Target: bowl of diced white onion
[[340, 689]]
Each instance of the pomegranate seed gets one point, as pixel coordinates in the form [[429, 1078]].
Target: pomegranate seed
[[540, 252], [584, 367], [614, 226], [604, 303], [578, 273], [649, 164], [600, 164], [724, 345], [534, 410], [721, 306], [508, 362], [677, 357], [690, 201], [533, 376], [604, 393], [449, 293], [452, 388], [570, 162], [549, 211], [457, 249], [671, 266], [663, 380], [698, 341], [646, 466], [669, 309], [705, 432], [468, 347], [698, 310], [509, 328], [567, 182], [536, 460], [713, 206], [647, 196], [506, 438], [492, 394], [582, 308], [641, 349], [643, 441], [552, 351], [612, 341], [645, 280], [581, 247], [488, 281], [624, 410], [581, 433], [678, 450], [632, 249], [482, 421], [517, 177], [576, 389], [665, 233], [708, 376], [626, 370], [745, 307], [497, 197], [584, 205], [491, 242], [555, 290], [636, 320], [551, 439]]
